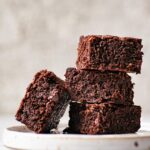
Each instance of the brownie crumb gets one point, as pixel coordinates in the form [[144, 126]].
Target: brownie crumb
[[112, 53], [44, 103], [91, 86]]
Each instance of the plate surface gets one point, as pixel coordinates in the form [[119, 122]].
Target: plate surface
[[19, 137]]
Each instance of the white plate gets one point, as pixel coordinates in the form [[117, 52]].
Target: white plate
[[19, 137]]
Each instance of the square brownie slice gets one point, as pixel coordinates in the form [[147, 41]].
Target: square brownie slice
[[91, 86], [104, 118], [112, 53], [44, 103]]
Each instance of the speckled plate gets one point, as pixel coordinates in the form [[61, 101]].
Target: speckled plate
[[19, 137]]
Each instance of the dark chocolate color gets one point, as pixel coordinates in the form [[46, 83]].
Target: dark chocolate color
[[44, 103], [110, 53], [104, 118], [91, 86]]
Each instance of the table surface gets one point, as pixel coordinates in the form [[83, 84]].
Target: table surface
[[6, 121]]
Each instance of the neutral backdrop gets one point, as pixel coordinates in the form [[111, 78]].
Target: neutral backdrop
[[44, 34]]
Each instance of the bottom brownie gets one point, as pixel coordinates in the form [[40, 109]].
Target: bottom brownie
[[104, 118]]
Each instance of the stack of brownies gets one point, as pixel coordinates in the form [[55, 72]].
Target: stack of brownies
[[100, 88]]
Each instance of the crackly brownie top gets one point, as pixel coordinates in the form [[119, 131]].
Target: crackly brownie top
[[51, 77], [92, 37]]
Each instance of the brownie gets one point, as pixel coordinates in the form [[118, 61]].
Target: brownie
[[112, 53], [91, 86], [44, 103], [103, 118]]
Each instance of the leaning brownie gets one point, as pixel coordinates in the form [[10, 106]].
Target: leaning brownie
[[44, 103], [91, 86], [103, 118], [110, 53]]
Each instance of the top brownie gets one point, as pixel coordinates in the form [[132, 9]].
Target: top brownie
[[112, 53]]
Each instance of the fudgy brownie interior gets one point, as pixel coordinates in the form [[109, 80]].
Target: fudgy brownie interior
[[110, 53], [44, 103], [103, 118], [91, 86]]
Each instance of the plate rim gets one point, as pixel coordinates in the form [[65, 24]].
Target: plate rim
[[30, 140], [9, 131]]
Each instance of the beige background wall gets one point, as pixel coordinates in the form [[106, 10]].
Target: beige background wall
[[37, 34]]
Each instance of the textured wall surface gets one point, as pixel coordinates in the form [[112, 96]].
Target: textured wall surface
[[39, 34]]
